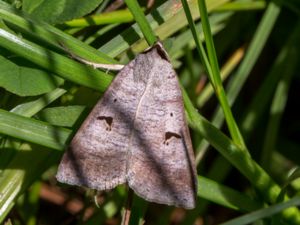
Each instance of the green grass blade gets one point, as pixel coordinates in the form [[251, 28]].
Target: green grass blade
[[34, 131], [255, 48], [263, 213], [258, 42], [277, 110], [140, 18], [222, 195], [199, 45], [264, 93], [21, 172], [237, 157], [118, 16], [215, 77], [29, 109], [61, 65], [185, 38], [166, 20], [49, 34], [242, 5], [99, 33], [211, 52], [226, 70]]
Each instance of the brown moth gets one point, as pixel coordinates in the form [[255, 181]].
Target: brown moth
[[137, 134]]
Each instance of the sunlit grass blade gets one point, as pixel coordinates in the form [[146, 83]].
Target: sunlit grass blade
[[242, 5], [118, 16], [215, 77], [263, 213], [226, 70], [183, 39]]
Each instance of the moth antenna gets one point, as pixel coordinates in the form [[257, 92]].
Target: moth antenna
[[115, 67]]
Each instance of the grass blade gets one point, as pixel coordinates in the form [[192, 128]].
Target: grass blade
[[61, 65], [140, 18], [263, 213], [49, 34], [237, 157], [251, 56], [33, 130], [215, 78]]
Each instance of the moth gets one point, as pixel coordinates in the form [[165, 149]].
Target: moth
[[137, 134]]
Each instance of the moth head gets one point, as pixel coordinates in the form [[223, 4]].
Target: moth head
[[158, 46]]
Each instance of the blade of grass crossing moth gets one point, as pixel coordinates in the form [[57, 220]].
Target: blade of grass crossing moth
[[216, 78], [135, 217], [140, 18]]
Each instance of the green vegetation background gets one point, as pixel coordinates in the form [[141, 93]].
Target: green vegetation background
[[238, 68]]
